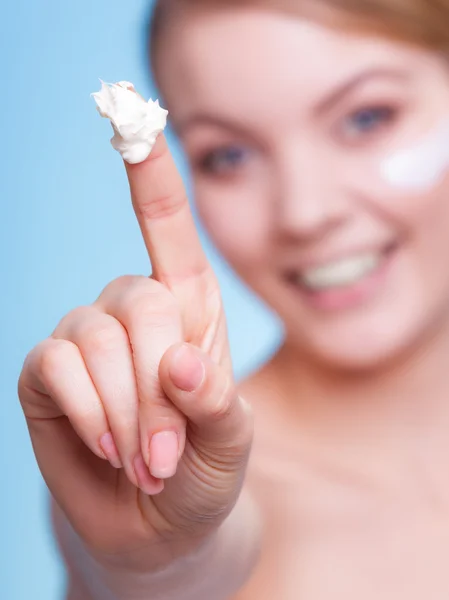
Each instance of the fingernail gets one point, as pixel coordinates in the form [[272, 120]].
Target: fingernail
[[164, 452], [187, 371], [148, 484], [109, 449]]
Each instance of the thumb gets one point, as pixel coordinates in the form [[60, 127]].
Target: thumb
[[219, 419], [219, 436]]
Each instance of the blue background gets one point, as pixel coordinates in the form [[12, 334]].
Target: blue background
[[66, 229]]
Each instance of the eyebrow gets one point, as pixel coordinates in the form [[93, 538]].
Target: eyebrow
[[338, 95], [331, 100], [208, 119]]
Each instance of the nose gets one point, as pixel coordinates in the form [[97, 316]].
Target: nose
[[310, 201]]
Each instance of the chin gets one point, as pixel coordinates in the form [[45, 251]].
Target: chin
[[362, 344], [376, 356]]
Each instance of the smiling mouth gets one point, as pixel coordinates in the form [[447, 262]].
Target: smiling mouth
[[341, 273]]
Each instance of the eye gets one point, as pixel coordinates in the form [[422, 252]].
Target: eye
[[223, 161], [367, 121]]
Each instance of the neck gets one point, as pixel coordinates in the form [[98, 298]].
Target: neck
[[399, 409]]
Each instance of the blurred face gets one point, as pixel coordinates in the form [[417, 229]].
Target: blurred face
[[321, 169]]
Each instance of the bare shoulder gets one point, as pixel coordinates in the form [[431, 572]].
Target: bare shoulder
[[285, 479]]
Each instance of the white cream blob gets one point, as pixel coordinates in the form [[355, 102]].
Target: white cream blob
[[136, 123], [420, 167]]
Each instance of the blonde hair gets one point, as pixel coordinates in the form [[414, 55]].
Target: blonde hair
[[423, 23]]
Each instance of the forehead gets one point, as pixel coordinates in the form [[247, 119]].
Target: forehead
[[211, 58]]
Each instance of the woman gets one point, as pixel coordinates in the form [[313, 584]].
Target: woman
[[318, 136]]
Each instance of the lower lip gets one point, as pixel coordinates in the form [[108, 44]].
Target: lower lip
[[351, 296]]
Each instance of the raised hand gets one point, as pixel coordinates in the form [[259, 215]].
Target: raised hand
[[131, 405]]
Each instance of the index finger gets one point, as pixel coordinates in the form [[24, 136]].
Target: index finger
[[166, 221]]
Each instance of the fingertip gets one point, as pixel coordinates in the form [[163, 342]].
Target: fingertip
[[146, 482], [110, 451], [186, 370], [159, 148]]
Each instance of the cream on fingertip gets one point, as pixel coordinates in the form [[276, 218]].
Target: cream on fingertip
[[136, 123]]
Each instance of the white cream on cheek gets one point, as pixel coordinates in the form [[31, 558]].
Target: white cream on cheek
[[136, 123], [421, 167]]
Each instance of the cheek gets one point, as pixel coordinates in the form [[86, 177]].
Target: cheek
[[420, 167], [409, 188], [410, 212], [429, 223], [408, 182], [409, 191], [421, 219], [238, 224]]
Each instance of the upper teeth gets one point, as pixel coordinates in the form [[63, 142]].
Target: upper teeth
[[340, 273]]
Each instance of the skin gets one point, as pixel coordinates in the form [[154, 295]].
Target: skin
[[348, 463], [149, 358]]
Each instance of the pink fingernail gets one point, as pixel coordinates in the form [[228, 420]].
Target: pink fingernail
[[148, 484], [164, 452], [110, 450]]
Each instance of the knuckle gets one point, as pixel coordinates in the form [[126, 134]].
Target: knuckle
[[26, 374], [224, 399], [162, 206], [71, 319], [123, 282], [102, 337], [149, 304], [53, 355], [117, 289]]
